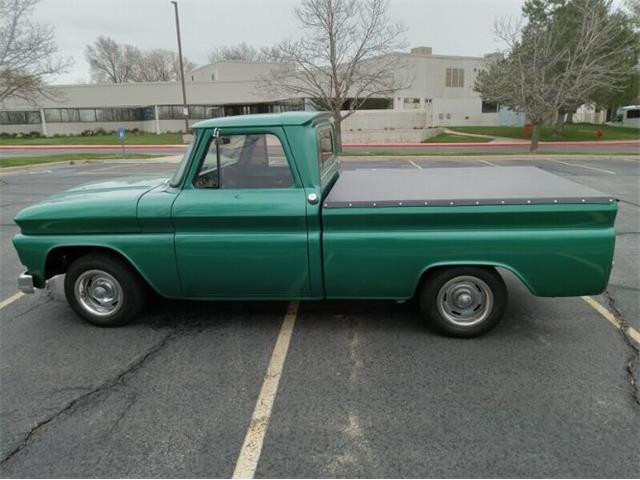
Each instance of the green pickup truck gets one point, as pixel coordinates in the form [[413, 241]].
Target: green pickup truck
[[259, 209]]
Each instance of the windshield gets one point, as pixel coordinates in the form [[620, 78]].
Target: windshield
[[184, 163]]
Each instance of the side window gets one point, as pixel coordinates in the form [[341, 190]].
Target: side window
[[325, 146], [246, 161]]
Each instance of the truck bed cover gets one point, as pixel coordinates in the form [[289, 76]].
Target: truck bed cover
[[457, 186]]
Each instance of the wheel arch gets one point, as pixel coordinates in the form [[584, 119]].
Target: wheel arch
[[59, 258], [430, 269]]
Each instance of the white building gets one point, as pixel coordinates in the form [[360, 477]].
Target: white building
[[440, 94]]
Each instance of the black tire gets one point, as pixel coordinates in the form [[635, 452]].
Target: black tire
[[116, 276], [444, 296]]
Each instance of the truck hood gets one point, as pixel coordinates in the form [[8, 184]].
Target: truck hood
[[103, 207]]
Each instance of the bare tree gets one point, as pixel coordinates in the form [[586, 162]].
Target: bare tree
[[540, 73], [112, 62], [243, 52], [160, 66], [115, 62], [28, 52], [633, 7], [346, 56]]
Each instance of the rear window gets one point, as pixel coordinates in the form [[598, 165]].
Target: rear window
[[326, 147]]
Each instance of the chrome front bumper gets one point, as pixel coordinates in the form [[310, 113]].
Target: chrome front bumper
[[25, 283]]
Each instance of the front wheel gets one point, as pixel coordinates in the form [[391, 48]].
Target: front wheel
[[463, 301], [104, 290]]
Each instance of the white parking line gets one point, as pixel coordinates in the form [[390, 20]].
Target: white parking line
[[11, 299], [414, 164], [602, 310], [582, 166], [252, 446], [488, 163]]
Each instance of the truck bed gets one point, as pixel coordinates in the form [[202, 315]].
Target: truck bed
[[456, 187]]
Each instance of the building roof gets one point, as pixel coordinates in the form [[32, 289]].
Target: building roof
[[263, 120]]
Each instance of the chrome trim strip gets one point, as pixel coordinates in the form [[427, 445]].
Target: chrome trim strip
[[467, 202]]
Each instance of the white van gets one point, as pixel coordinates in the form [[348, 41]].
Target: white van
[[629, 116]]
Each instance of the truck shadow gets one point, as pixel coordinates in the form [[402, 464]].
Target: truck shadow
[[386, 315]]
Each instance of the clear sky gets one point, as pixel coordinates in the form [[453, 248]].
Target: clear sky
[[456, 27]]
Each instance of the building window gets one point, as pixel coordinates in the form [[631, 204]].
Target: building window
[[52, 115], [213, 112], [635, 113], [148, 114], [368, 104], [213, 76], [292, 105], [19, 118], [87, 114], [170, 112], [196, 112], [33, 117], [489, 107], [454, 77], [69, 115], [411, 103]]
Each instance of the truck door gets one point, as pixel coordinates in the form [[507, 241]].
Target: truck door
[[240, 219]]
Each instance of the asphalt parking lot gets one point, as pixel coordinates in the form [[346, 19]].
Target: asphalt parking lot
[[365, 391]]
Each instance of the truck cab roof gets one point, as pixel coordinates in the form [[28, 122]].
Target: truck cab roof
[[264, 120]]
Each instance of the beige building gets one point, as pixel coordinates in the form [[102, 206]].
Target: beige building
[[440, 94]]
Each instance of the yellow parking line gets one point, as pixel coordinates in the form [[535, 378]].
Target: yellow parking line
[[602, 310], [252, 446], [577, 165], [11, 299]]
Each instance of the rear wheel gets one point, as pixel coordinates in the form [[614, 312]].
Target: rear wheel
[[104, 290], [463, 301]]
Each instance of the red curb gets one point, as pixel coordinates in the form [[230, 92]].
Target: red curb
[[490, 145], [88, 147]]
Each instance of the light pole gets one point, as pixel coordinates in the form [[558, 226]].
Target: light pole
[[185, 108]]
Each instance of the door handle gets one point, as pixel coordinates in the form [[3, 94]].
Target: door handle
[[312, 198]]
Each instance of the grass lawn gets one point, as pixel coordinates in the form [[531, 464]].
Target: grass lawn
[[132, 139], [572, 132], [423, 153], [451, 138], [67, 157]]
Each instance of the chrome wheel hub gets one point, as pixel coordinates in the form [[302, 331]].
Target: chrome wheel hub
[[465, 301], [98, 292]]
